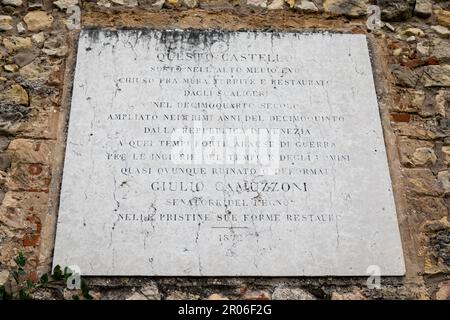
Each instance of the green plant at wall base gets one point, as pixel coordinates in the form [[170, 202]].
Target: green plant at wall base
[[57, 280]]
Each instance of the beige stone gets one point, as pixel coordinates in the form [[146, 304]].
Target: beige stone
[[422, 182], [446, 153], [13, 44], [31, 151], [4, 275], [414, 32], [15, 95], [443, 17], [444, 291], [5, 23], [38, 20], [217, 296]]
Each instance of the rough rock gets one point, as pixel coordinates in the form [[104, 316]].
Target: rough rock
[[414, 32], [137, 296], [276, 5], [396, 10], [443, 292], [64, 4], [31, 151], [4, 275], [406, 77], [436, 76], [127, 3], [21, 28], [4, 143], [5, 23], [441, 51], [422, 182], [307, 6], [444, 179], [443, 18], [257, 3], [14, 44], [190, 3], [441, 31], [38, 20], [5, 161], [25, 57], [178, 295], [151, 292], [257, 295], [355, 295], [423, 8], [16, 94], [283, 293], [217, 296], [14, 3], [416, 153], [354, 8], [446, 153]]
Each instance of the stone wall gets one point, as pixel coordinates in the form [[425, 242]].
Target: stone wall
[[411, 58]]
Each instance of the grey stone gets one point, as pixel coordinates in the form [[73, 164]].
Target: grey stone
[[436, 76], [15, 3], [4, 143], [441, 31], [132, 107], [284, 293], [396, 10], [354, 8], [25, 57], [423, 8], [5, 161], [441, 51]]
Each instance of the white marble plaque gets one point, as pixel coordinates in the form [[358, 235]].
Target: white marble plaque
[[226, 154]]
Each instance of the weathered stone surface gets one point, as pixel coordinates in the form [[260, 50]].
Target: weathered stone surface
[[396, 10], [190, 3], [11, 116], [276, 5], [423, 8], [55, 46], [443, 18], [38, 20], [15, 3], [444, 179], [136, 295], [16, 94], [31, 151], [14, 44], [414, 153], [355, 8], [4, 275], [127, 3], [441, 51], [29, 177], [110, 196], [25, 57], [256, 295], [442, 31], [217, 296], [179, 295], [151, 292], [307, 6], [283, 293], [355, 295], [5, 161], [64, 4], [406, 77], [4, 142], [5, 23], [436, 76], [422, 182], [414, 32], [443, 292], [446, 152]]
